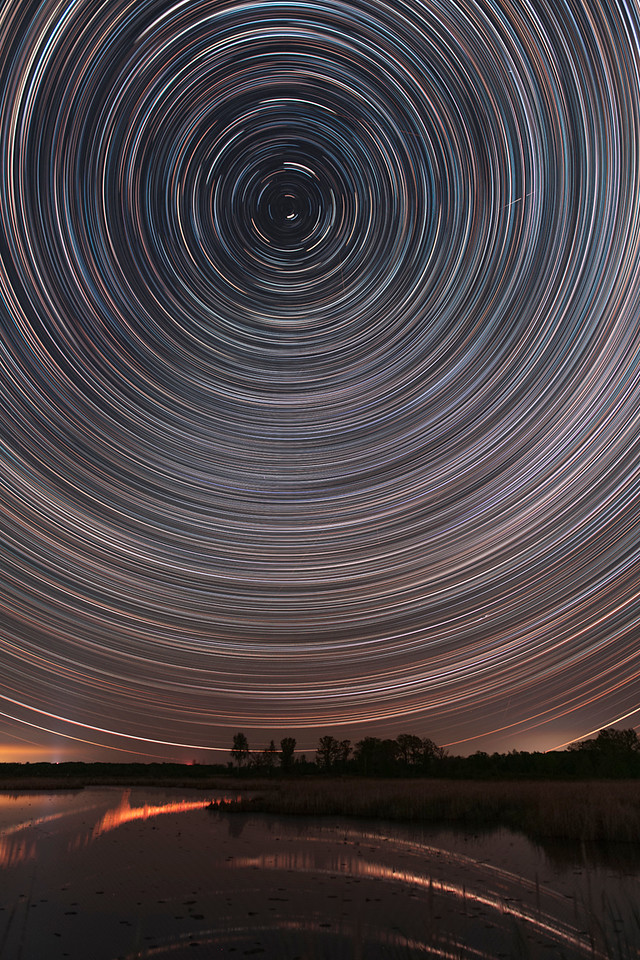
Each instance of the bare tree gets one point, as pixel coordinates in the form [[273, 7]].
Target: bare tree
[[332, 753], [409, 749], [287, 748], [240, 749], [269, 756], [327, 752], [431, 751]]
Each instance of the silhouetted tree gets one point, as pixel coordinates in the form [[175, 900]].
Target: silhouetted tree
[[410, 749], [332, 754], [266, 759], [327, 752], [431, 751], [614, 741], [613, 753], [240, 749], [287, 748], [376, 757]]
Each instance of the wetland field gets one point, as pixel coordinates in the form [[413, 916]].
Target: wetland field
[[343, 870]]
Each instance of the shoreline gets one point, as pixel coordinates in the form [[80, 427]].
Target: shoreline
[[607, 811], [588, 810]]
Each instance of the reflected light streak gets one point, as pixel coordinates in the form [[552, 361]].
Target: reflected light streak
[[543, 923], [451, 950], [499, 874], [124, 813], [13, 851]]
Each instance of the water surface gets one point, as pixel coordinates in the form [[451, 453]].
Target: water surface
[[101, 874]]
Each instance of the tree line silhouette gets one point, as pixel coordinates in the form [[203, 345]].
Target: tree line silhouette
[[613, 753], [371, 756]]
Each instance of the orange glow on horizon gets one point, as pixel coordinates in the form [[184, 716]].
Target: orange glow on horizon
[[32, 753]]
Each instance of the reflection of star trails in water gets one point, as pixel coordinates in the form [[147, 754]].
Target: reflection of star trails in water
[[276, 880], [14, 851], [125, 813], [452, 950], [562, 933]]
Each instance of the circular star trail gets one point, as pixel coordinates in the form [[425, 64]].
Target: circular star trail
[[320, 367]]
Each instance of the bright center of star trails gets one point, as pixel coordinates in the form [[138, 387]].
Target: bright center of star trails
[[320, 370]]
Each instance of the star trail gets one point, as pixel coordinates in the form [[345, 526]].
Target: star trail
[[319, 371]]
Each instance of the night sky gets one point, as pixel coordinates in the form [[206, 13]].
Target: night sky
[[319, 373]]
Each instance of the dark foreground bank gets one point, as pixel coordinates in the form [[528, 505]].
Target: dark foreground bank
[[604, 810]]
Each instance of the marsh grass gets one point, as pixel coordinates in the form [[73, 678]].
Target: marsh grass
[[574, 810], [586, 810]]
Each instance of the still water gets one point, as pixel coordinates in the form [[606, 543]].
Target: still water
[[101, 874]]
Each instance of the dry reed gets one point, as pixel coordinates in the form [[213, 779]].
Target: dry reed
[[580, 810]]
